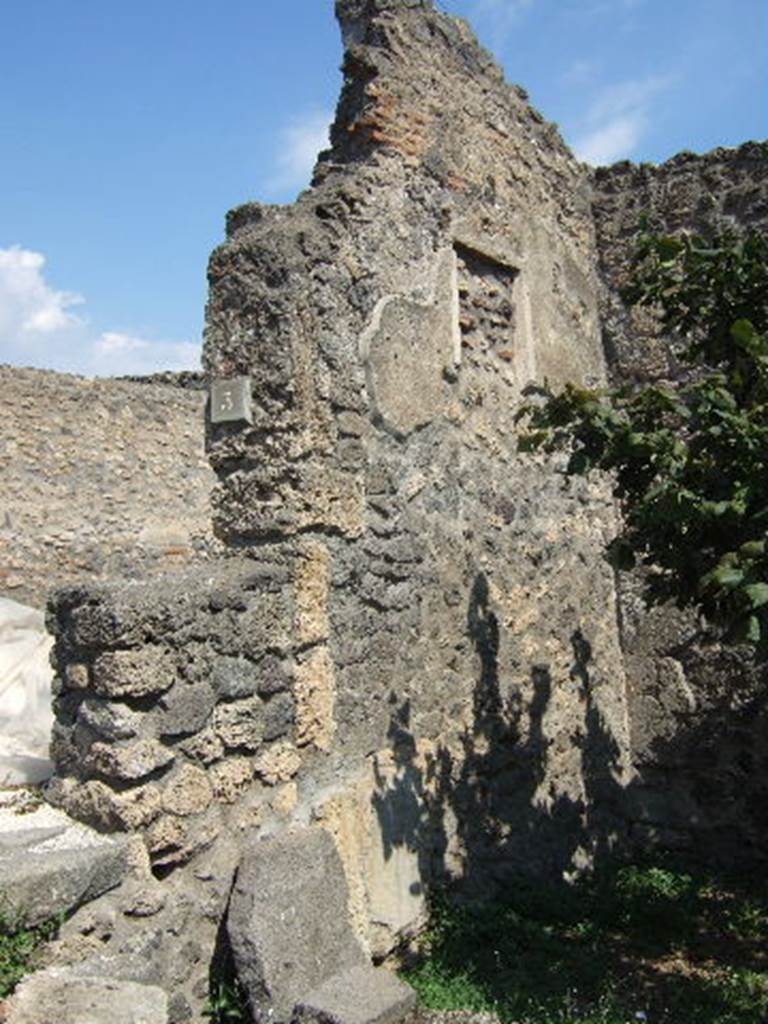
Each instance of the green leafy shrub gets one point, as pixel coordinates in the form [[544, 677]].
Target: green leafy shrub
[[689, 458]]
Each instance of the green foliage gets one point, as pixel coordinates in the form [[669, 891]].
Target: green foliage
[[655, 902], [642, 943], [18, 946], [227, 1004], [690, 460]]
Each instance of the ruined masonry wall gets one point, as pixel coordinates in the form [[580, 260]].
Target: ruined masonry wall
[[389, 321], [100, 479], [415, 641], [425, 661], [697, 707], [171, 701]]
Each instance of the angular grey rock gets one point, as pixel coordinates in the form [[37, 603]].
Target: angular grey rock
[[110, 719], [141, 970], [185, 709], [53, 872], [279, 714], [128, 762], [288, 921], [26, 838], [234, 677], [61, 995], [362, 995]]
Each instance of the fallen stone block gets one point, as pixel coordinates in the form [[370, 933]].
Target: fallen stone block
[[362, 995], [61, 995], [50, 864], [288, 921]]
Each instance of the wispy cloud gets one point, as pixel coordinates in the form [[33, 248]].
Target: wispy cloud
[[614, 141], [298, 144], [580, 72], [618, 118], [500, 15], [115, 352], [38, 328]]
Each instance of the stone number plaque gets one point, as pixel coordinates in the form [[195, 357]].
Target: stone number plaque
[[231, 400]]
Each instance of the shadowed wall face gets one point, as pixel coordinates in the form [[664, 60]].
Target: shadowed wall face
[[697, 706], [388, 321]]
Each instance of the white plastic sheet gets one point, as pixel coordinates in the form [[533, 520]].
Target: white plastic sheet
[[26, 716]]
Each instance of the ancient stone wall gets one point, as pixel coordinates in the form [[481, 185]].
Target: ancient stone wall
[[414, 644], [388, 322], [413, 639], [698, 709], [100, 479], [724, 190]]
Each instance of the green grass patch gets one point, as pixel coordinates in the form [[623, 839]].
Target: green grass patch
[[19, 946], [640, 944]]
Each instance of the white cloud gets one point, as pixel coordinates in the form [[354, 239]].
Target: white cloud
[[115, 352], [114, 343], [299, 143], [28, 304], [618, 118], [616, 140], [38, 328]]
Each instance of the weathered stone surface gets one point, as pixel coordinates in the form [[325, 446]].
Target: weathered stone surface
[[726, 189], [411, 352], [185, 709], [417, 641], [101, 478], [369, 820], [279, 716], [361, 995], [131, 762], [142, 898], [277, 763], [96, 803], [172, 840], [64, 994], [240, 725], [230, 779], [312, 587], [140, 673], [446, 589], [110, 719], [288, 921], [49, 865], [315, 699], [77, 676], [285, 799], [234, 677], [204, 747], [188, 632], [188, 792]]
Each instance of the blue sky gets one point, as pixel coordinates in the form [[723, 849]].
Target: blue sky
[[127, 129]]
